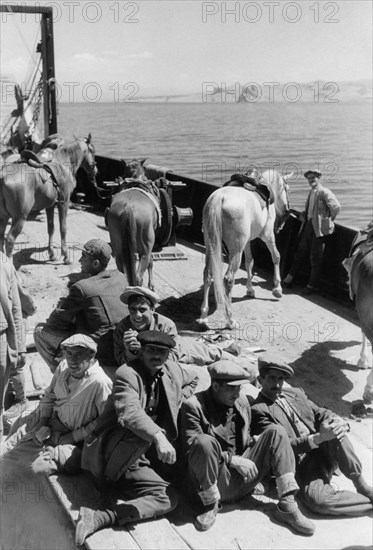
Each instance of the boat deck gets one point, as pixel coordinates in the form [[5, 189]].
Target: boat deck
[[318, 337]]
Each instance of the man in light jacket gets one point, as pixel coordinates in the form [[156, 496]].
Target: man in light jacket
[[322, 207]]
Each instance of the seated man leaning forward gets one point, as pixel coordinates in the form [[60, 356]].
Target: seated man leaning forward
[[92, 307], [319, 441], [224, 462], [142, 316], [68, 411], [133, 439]]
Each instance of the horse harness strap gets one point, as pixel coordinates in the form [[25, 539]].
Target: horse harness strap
[[56, 174], [151, 197]]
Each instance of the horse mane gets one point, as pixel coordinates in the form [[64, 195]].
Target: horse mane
[[70, 151]]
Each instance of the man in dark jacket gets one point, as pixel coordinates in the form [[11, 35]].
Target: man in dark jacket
[[225, 462], [319, 441], [92, 307], [134, 437]]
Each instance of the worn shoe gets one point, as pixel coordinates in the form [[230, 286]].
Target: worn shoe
[[308, 290], [296, 520], [207, 518], [89, 522]]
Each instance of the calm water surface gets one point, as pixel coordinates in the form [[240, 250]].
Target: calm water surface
[[212, 141]]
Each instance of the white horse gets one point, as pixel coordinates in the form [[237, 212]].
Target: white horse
[[235, 216], [360, 269]]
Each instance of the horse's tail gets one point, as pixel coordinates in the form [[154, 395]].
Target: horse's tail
[[213, 236], [129, 246]]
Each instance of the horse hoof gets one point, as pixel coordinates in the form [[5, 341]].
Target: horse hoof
[[202, 321], [277, 292], [232, 325], [52, 257], [66, 261], [250, 293]]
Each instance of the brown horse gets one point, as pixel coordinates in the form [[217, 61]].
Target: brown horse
[[24, 189], [360, 269], [132, 220]]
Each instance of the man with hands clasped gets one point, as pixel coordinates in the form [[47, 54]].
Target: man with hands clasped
[[319, 441], [135, 436], [224, 462]]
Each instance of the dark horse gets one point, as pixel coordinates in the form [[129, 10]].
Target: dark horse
[[132, 220], [25, 188]]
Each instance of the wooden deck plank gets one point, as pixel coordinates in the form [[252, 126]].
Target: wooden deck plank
[[157, 534]]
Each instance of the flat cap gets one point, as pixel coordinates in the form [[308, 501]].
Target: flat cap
[[139, 291], [80, 340], [312, 173], [156, 338], [230, 372], [271, 361], [99, 250]]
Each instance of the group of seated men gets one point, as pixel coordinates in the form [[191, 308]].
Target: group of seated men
[[141, 433]]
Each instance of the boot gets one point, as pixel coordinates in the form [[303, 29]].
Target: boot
[[207, 517], [296, 520], [91, 521]]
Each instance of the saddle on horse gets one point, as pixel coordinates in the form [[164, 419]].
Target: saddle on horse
[[54, 169], [253, 184]]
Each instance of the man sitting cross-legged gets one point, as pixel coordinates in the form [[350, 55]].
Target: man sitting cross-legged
[[225, 463], [68, 411], [133, 443], [319, 441]]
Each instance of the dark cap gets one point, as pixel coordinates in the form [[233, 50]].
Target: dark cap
[[271, 361], [79, 340], [228, 371], [156, 338], [139, 291], [312, 173], [99, 250]]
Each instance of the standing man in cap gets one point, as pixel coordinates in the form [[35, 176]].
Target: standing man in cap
[[134, 439], [142, 316], [322, 207], [225, 463], [92, 307], [319, 441], [68, 411]]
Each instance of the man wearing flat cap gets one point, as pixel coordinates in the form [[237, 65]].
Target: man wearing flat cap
[[142, 316], [68, 410], [224, 462], [322, 207], [91, 307], [318, 438], [133, 444]]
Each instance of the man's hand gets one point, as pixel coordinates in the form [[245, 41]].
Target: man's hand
[[245, 467], [130, 340], [333, 428], [165, 451]]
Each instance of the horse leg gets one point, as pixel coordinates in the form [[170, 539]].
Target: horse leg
[[50, 226], [207, 280], [14, 231], [234, 264], [62, 214], [249, 263], [150, 273], [269, 240], [363, 362]]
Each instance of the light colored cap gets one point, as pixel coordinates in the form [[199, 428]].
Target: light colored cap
[[139, 291], [230, 372], [80, 340]]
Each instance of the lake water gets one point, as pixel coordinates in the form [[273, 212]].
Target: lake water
[[212, 141]]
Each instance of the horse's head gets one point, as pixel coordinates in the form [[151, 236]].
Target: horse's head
[[280, 190], [88, 161]]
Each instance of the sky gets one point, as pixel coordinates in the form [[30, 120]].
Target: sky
[[108, 48]]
